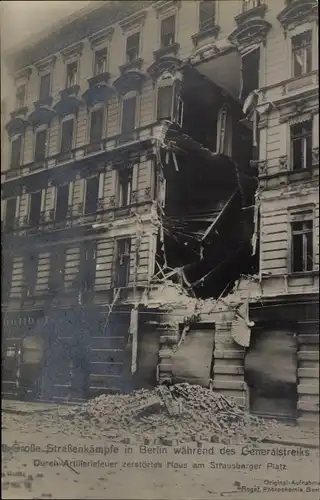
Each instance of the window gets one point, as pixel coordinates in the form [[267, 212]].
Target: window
[[123, 262], [164, 103], [250, 4], [16, 146], [67, 136], [57, 270], [88, 257], [301, 145], [302, 54], [35, 209], [40, 148], [132, 48], [100, 61], [72, 74], [92, 191], [250, 72], [96, 126], [20, 96], [207, 14], [302, 245], [11, 205], [168, 31], [62, 203], [30, 270], [125, 187], [128, 117], [45, 82]]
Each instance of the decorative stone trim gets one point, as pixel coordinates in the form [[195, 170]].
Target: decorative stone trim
[[136, 64], [298, 12], [283, 163], [46, 64], [101, 37], [80, 208], [252, 32], [166, 6], [213, 31], [23, 74], [164, 51], [261, 165], [133, 21], [72, 51], [253, 13], [315, 156], [134, 196], [147, 193]]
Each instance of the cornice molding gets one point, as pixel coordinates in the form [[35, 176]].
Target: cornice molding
[[298, 12], [72, 51], [46, 64], [23, 74], [101, 37], [133, 21], [166, 6]]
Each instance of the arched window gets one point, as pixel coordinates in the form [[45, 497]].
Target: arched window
[[169, 102]]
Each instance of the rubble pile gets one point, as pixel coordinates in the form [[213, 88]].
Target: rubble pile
[[181, 413]]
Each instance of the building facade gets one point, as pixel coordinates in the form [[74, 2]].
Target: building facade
[[162, 177]]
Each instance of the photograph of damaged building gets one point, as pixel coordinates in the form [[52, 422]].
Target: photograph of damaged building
[[160, 204]]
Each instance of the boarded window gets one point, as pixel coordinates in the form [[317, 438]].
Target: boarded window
[[207, 13], [164, 104], [20, 96], [125, 187], [62, 203], [87, 271], [168, 31], [16, 146], [35, 209], [30, 270], [67, 136], [302, 53], [100, 61], [96, 126], [92, 191], [40, 149], [72, 74], [301, 145], [132, 47], [302, 246], [57, 270], [123, 262], [45, 86], [11, 205]]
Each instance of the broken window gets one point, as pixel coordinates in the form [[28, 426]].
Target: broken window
[[122, 262], [302, 53], [30, 270], [72, 74], [62, 203], [125, 187], [168, 31], [45, 82], [207, 13], [20, 96], [302, 245], [67, 135], [11, 205], [250, 72], [88, 257], [301, 145], [96, 126], [57, 270], [35, 209], [132, 47], [16, 147], [100, 61], [92, 191], [128, 117], [40, 148]]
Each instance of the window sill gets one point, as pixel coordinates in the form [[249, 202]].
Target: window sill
[[136, 64], [171, 49], [102, 77], [303, 274], [300, 174], [253, 13], [211, 31]]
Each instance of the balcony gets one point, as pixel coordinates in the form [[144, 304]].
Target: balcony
[[252, 28], [172, 50], [132, 64], [297, 11]]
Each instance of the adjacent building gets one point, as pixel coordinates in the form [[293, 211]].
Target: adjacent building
[[160, 204]]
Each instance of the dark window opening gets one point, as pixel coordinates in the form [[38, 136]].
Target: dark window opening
[[207, 13], [132, 48], [6, 276], [92, 192], [250, 72], [164, 103], [62, 203], [67, 136], [72, 74], [40, 149], [45, 86], [302, 246], [20, 96], [128, 118], [16, 146], [302, 54], [100, 61], [301, 145], [123, 262], [250, 4], [88, 257], [125, 187], [168, 31], [30, 270], [96, 126], [9, 222], [57, 270], [35, 209]]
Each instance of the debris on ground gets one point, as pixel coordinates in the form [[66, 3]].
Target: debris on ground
[[180, 413]]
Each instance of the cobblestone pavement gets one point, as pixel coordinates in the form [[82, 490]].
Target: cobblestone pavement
[[46, 460]]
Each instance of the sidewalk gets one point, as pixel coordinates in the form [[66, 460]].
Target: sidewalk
[[28, 408]]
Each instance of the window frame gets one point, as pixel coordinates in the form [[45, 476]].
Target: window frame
[[44, 75], [56, 201], [65, 119], [12, 140], [94, 176], [305, 70], [131, 35], [302, 136], [21, 104], [125, 97], [5, 213], [209, 22], [128, 170], [67, 64], [55, 256], [37, 132], [99, 108], [164, 18], [118, 241], [105, 49], [91, 245], [41, 191], [29, 291], [303, 213]]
